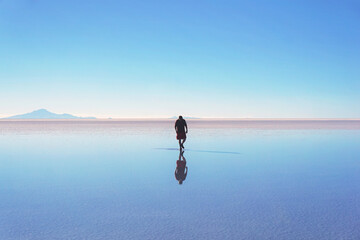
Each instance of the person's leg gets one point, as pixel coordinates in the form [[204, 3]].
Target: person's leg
[[183, 158], [183, 141], [180, 144]]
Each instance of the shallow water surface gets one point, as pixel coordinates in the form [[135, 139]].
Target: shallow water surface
[[115, 180]]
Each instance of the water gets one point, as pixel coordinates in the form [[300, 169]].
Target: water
[[115, 180]]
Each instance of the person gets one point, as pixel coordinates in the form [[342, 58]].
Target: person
[[181, 131], [181, 168]]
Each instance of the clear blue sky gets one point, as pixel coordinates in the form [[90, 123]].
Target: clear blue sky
[[196, 58]]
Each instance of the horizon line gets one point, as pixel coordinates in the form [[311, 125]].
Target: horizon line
[[191, 119]]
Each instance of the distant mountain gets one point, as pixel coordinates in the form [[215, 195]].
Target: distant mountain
[[176, 117], [45, 114]]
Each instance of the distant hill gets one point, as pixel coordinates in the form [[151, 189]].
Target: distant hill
[[176, 117], [45, 114]]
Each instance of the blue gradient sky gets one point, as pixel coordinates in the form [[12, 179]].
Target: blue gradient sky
[[196, 58]]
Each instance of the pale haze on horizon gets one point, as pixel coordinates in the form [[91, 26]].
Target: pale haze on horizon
[[219, 59]]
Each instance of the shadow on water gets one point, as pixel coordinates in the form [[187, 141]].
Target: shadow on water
[[193, 150]]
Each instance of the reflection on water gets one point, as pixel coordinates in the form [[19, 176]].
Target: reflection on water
[[107, 180], [181, 170]]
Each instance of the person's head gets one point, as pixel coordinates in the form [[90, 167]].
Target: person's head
[[180, 182], [180, 117]]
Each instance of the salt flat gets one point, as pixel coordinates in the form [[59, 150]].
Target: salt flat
[[114, 179]]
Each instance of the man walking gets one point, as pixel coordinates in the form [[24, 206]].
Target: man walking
[[181, 131]]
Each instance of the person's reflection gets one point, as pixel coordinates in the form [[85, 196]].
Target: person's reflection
[[181, 168]]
